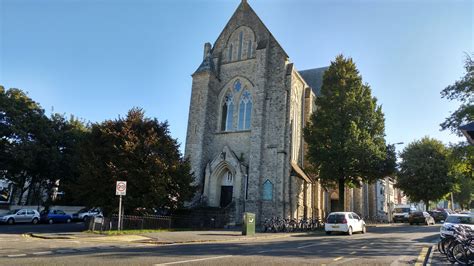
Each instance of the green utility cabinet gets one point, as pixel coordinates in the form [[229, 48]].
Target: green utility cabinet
[[249, 224]]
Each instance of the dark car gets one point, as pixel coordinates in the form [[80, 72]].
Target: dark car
[[55, 216], [420, 218]]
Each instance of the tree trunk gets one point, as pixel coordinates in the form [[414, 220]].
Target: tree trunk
[[341, 195]]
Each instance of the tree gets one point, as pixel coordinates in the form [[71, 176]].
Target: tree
[[23, 128], [462, 91], [461, 164], [345, 135], [423, 174], [140, 151]]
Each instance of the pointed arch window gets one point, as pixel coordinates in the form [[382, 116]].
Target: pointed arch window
[[267, 190], [229, 56], [245, 110], [227, 112]]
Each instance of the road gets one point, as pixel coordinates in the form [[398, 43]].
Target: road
[[395, 245]]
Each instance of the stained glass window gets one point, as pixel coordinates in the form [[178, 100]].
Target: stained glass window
[[237, 85], [227, 112], [245, 110]]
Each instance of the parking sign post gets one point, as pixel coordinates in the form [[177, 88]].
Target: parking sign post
[[120, 190]]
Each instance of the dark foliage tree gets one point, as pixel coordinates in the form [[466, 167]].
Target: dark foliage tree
[[138, 150], [463, 92], [423, 174], [23, 129], [345, 135]]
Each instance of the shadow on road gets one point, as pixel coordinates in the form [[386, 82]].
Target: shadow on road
[[41, 228]]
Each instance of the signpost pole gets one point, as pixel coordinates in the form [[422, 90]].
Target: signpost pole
[[120, 214]]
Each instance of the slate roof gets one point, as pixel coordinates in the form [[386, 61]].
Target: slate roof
[[314, 78], [468, 131]]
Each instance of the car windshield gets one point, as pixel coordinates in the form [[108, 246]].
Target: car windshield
[[454, 219], [13, 211], [83, 210], [401, 210], [336, 218]]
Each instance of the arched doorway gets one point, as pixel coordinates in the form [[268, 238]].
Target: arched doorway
[[227, 189]]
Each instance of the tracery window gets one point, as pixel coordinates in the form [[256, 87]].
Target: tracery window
[[227, 112], [245, 110], [267, 190]]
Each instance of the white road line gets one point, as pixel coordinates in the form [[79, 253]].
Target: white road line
[[353, 252], [307, 246], [338, 258], [185, 261], [364, 247], [263, 251], [16, 255], [43, 253]]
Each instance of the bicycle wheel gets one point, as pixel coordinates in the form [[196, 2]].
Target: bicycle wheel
[[460, 255]]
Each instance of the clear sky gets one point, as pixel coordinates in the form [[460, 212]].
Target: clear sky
[[98, 58]]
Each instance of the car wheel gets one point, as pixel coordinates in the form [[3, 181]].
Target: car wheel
[[68, 220], [50, 221], [11, 221], [328, 232], [35, 221], [349, 232], [364, 229]]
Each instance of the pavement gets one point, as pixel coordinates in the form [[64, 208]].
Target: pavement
[[173, 237]]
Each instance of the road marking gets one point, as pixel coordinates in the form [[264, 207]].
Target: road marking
[[185, 261], [353, 252], [364, 247], [421, 258], [263, 251], [307, 246], [43, 253], [338, 258], [16, 255]]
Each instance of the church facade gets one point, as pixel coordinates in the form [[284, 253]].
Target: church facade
[[248, 109]]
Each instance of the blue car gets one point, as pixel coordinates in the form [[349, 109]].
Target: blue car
[[55, 216]]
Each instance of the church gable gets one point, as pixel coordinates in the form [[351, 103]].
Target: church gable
[[243, 27]]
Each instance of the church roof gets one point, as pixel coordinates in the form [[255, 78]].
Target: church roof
[[206, 65], [314, 78]]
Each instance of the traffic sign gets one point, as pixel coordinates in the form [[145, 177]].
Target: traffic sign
[[121, 188]]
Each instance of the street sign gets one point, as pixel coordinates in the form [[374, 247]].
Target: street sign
[[121, 188]]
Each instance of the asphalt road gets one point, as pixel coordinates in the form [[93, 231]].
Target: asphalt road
[[23, 228], [396, 245]]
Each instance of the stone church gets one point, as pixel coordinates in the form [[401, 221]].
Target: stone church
[[249, 105]]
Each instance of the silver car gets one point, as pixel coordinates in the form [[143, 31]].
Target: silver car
[[20, 216]]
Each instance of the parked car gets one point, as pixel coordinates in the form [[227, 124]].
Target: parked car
[[440, 215], [347, 222], [401, 212], [55, 216], [21, 216], [85, 214], [455, 219], [421, 218]]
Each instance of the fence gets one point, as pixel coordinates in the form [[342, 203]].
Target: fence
[[190, 221]]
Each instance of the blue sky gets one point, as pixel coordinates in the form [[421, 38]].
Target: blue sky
[[98, 58]]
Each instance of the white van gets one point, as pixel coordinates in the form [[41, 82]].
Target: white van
[[401, 213]]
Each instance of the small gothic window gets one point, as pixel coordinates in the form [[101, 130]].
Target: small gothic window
[[227, 179], [227, 113], [245, 110], [241, 41], [267, 190], [230, 53], [249, 50]]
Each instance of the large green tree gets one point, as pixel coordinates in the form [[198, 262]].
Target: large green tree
[[23, 131], [463, 92], [461, 164], [138, 150], [423, 174], [345, 135]]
